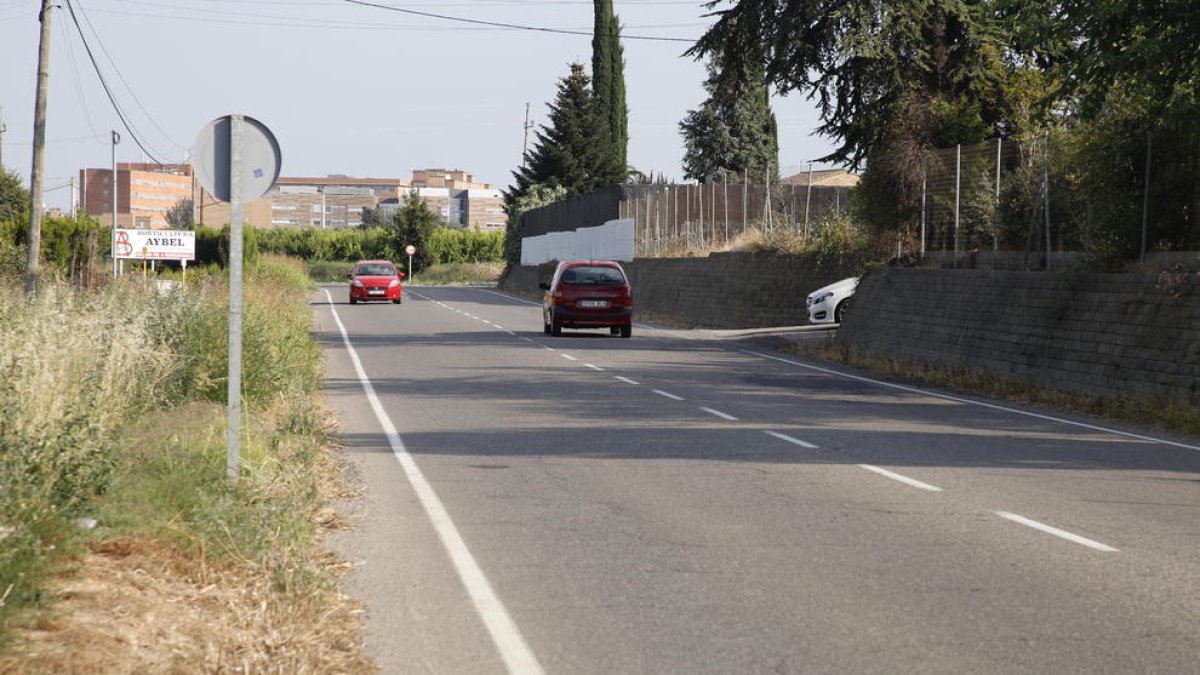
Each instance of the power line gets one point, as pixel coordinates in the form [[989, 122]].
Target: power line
[[104, 84], [124, 81], [512, 26], [87, 114]]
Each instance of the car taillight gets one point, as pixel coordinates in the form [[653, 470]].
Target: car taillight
[[556, 298], [628, 297]]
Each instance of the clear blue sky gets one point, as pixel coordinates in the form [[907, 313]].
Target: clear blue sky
[[345, 88]]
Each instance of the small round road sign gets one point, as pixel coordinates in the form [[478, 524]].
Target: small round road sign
[[410, 249], [258, 151]]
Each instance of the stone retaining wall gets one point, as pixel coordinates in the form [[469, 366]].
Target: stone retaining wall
[[723, 290], [1099, 334]]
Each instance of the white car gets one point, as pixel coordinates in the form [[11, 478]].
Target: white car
[[828, 304]]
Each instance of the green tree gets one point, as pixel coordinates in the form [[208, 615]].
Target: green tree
[[413, 224], [734, 129], [608, 87], [892, 78], [14, 197], [371, 218], [180, 216], [565, 151]]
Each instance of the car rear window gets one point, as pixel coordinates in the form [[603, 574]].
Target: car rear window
[[375, 270], [593, 275]]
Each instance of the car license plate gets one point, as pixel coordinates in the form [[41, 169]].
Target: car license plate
[[376, 291], [593, 304]]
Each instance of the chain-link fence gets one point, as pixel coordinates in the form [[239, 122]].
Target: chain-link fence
[[1062, 194], [681, 219]]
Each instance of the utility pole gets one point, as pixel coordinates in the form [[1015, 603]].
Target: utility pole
[[525, 143], [116, 138], [39, 153], [3, 128]]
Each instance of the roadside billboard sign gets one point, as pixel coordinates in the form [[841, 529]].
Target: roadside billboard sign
[[155, 244]]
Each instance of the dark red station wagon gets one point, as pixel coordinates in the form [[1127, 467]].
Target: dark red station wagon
[[588, 294]]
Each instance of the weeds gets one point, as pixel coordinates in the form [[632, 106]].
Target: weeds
[[461, 273], [111, 406]]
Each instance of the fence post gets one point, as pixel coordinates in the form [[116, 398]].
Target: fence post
[[996, 208], [957, 187], [767, 201], [808, 198], [1046, 202], [675, 208], [745, 199], [1146, 195], [924, 182], [725, 180]]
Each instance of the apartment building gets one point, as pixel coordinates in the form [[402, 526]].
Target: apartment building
[[144, 192]]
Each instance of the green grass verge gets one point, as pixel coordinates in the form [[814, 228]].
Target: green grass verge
[[122, 420]]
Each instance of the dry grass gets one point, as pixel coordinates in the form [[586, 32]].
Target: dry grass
[[186, 571], [137, 606], [175, 600]]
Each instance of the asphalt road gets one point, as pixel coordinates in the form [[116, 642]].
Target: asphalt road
[[682, 503]]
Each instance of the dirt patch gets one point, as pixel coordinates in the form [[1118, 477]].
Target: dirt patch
[[134, 606]]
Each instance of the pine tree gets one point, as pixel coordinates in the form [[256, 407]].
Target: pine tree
[[564, 151], [734, 129], [608, 83]]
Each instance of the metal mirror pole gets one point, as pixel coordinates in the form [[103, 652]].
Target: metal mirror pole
[[235, 295]]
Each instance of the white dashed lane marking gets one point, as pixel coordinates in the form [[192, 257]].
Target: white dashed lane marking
[[789, 439], [903, 479], [1063, 534]]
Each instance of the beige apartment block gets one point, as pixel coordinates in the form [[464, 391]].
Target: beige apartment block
[[145, 193], [485, 209], [455, 179]]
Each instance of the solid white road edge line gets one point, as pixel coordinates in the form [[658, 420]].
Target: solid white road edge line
[[789, 439], [1090, 543], [992, 406], [669, 395], [718, 413], [515, 652], [903, 479]]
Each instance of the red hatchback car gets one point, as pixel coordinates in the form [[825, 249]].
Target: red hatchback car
[[588, 294], [375, 280]]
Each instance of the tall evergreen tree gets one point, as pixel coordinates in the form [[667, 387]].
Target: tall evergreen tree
[[565, 151], [608, 84], [734, 129]]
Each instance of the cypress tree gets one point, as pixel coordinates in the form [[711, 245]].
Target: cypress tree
[[608, 82]]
